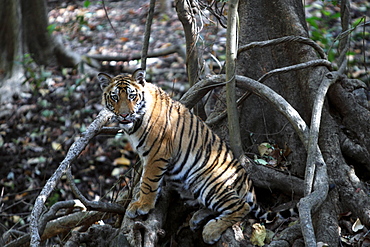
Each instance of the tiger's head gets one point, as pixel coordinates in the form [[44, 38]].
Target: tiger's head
[[124, 96]]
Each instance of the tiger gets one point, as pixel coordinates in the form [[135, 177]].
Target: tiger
[[177, 146]]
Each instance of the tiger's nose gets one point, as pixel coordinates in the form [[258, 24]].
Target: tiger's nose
[[124, 115]]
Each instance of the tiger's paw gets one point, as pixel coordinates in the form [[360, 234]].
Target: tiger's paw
[[199, 217], [137, 208], [212, 232]]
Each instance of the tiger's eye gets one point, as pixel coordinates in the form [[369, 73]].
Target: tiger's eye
[[131, 96], [114, 97]]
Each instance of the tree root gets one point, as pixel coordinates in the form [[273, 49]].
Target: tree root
[[146, 232], [355, 118]]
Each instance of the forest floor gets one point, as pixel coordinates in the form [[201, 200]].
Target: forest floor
[[38, 127]]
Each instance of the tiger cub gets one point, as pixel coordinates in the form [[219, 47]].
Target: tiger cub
[[175, 144]]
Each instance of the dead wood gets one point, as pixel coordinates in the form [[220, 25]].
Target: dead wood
[[76, 148], [96, 235], [51, 225], [94, 205]]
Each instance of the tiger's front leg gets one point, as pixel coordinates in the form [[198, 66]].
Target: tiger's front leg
[[150, 183]]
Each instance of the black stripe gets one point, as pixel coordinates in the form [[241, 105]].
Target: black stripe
[[148, 187]]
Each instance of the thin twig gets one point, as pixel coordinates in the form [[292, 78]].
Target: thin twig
[[312, 63], [110, 23], [281, 40]]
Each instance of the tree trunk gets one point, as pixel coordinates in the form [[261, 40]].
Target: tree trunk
[[26, 32], [260, 122], [264, 20], [11, 73]]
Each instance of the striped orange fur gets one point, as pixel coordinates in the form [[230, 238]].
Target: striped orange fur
[[176, 145]]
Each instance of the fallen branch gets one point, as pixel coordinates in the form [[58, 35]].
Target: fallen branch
[[51, 226], [76, 148], [137, 55], [94, 205]]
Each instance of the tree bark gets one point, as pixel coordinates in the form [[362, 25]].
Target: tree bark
[[11, 73], [26, 32], [264, 20]]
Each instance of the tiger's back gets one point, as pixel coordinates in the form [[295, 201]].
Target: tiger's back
[[174, 143]]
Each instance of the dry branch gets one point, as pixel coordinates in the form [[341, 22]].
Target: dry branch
[[200, 89], [51, 226], [148, 26], [76, 148], [94, 205], [313, 63]]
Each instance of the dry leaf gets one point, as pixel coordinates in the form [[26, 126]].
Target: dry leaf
[[56, 146], [263, 148], [124, 39], [258, 234], [357, 225], [122, 161], [322, 244]]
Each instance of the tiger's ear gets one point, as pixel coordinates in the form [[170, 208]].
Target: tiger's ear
[[139, 76], [104, 80]]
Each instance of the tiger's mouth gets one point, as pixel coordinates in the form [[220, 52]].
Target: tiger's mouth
[[125, 119]]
